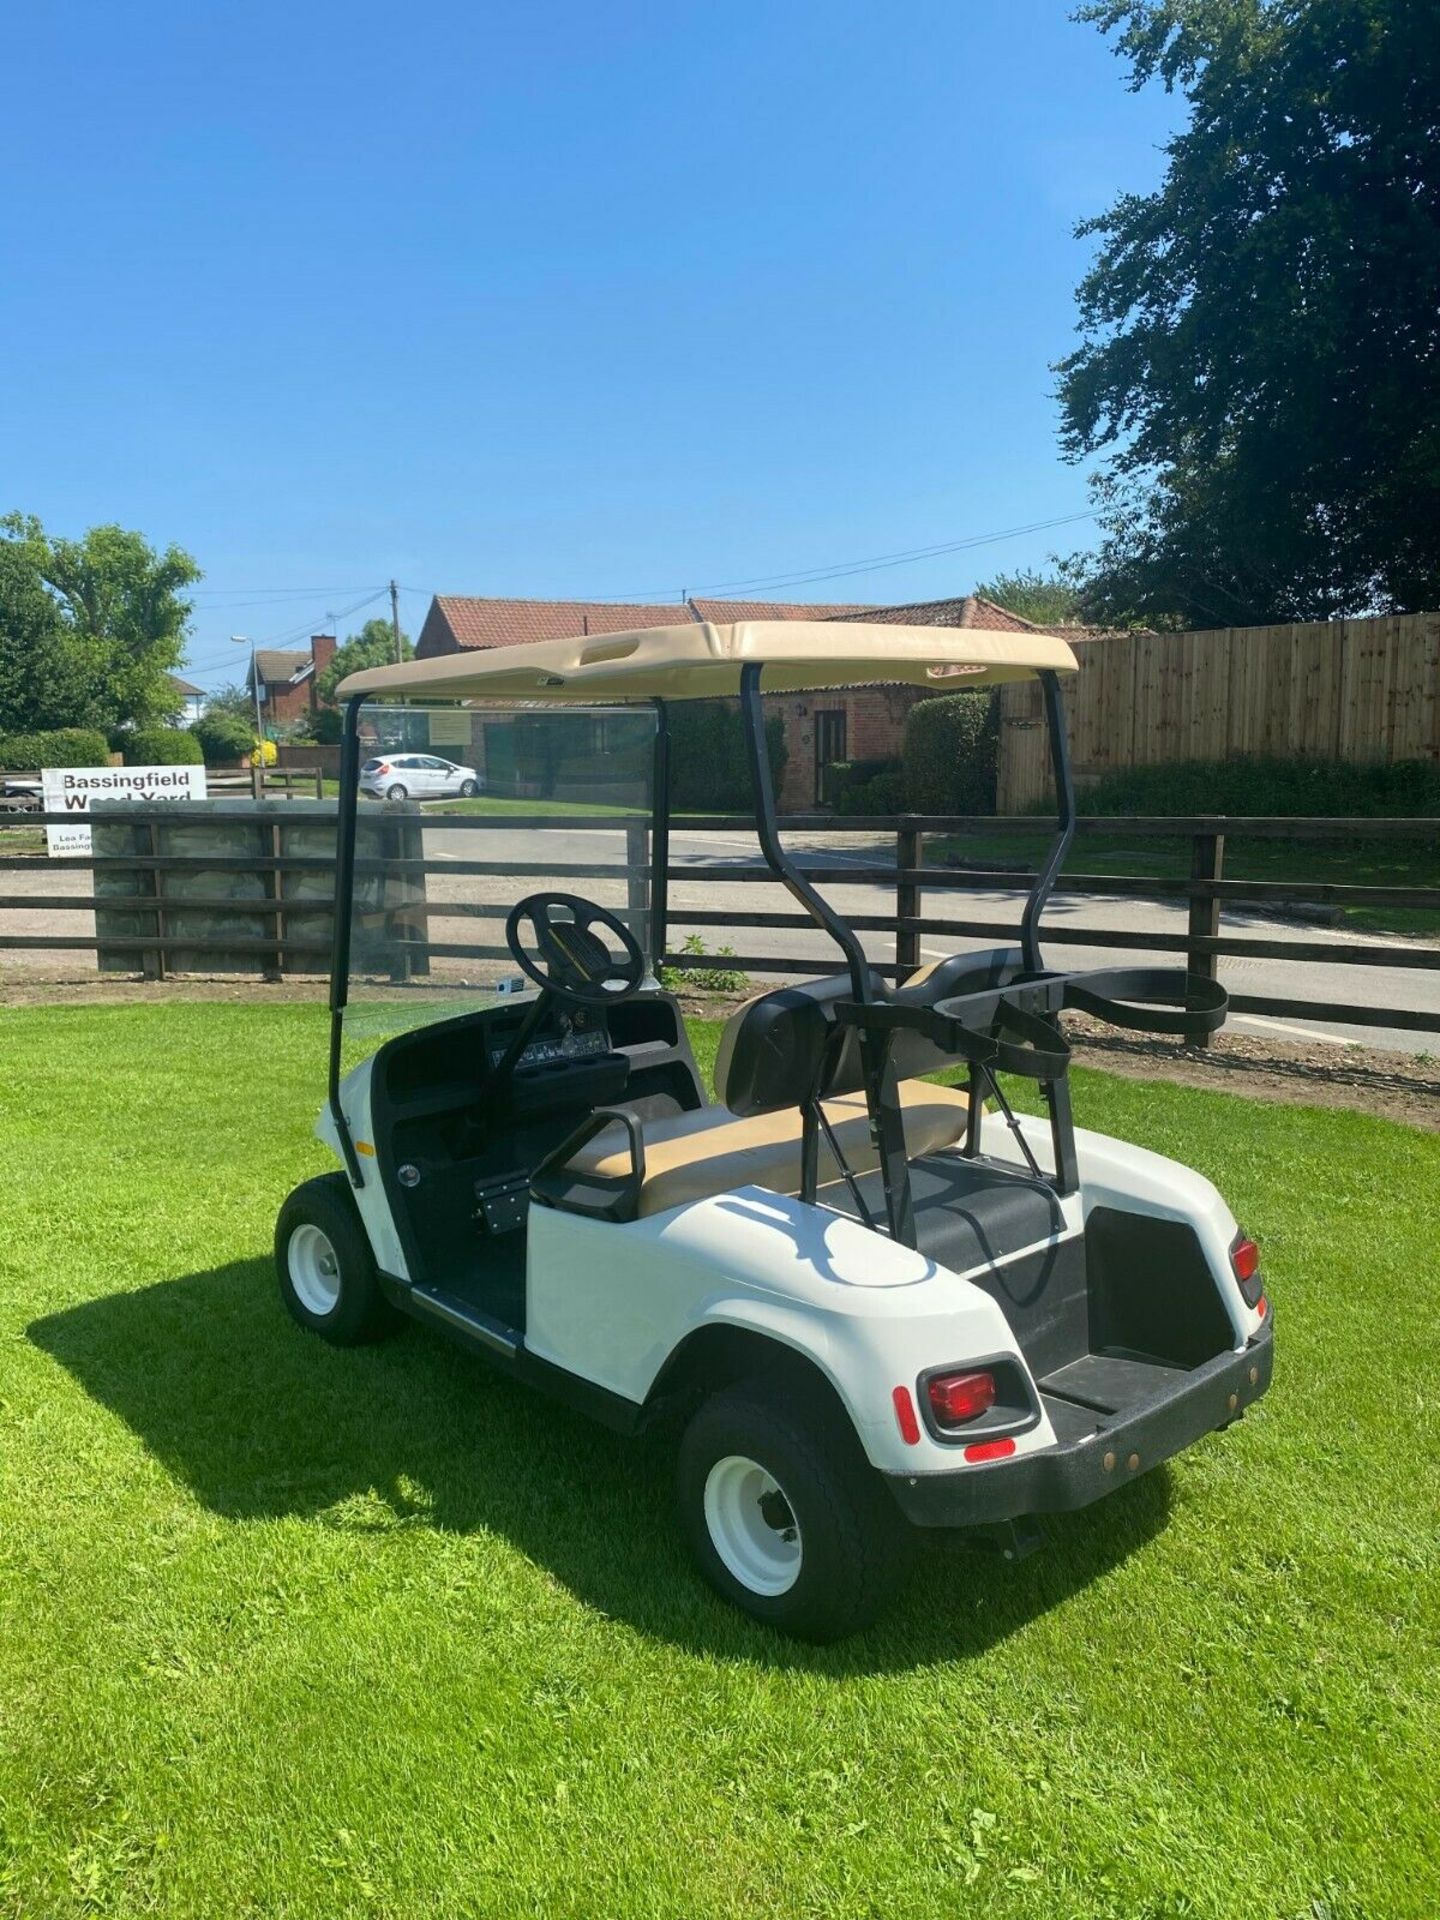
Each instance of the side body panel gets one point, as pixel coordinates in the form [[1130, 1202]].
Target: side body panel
[[371, 1199], [612, 1303]]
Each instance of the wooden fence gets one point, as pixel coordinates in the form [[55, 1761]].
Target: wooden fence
[[910, 892], [258, 782], [1357, 690]]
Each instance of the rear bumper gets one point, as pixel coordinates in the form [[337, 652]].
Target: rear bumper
[[1057, 1479]]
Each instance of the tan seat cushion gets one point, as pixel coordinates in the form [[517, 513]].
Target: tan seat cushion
[[689, 1156]]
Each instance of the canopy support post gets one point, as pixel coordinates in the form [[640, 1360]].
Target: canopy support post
[[882, 1094], [660, 839], [345, 824], [1065, 827]]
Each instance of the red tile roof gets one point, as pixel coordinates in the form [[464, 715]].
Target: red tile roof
[[459, 622], [456, 621], [970, 611], [721, 611]]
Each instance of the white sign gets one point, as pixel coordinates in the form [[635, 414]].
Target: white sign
[[450, 729], [71, 789]]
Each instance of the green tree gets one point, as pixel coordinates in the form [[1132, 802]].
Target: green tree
[[373, 646], [1260, 356], [1047, 599], [122, 614], [46, 681], [235, 698]]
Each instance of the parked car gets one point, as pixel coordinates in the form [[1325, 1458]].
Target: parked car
[[417, 776], [19, 794]]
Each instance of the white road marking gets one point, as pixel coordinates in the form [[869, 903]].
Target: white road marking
[[1284, 1026]]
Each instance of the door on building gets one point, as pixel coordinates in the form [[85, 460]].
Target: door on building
[[829, 745]]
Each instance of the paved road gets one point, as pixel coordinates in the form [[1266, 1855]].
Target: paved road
[[699, 862]]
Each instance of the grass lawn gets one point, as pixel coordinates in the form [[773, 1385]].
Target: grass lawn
[[288, 1631], [493, 806], [1359, 863]]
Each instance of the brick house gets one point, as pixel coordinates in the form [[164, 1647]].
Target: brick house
[[863, 723], [287, 679]]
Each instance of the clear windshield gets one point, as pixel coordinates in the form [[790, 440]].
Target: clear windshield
[[462, 812]]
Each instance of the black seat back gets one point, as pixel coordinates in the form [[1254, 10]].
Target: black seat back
[[784, 1047]]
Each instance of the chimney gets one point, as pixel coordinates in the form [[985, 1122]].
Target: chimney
[[322, 650]]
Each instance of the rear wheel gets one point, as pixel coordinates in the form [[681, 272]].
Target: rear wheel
[[325, 1268], [397, 792], [786, 1517]]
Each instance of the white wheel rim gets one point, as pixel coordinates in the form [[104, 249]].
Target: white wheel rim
[[752, 1525], [314, 1270]]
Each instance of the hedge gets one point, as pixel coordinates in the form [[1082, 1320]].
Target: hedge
[[68, 747], [162, 747], [708, 771], [865, 786], [224, 737], [949, 754], [1323, 789]]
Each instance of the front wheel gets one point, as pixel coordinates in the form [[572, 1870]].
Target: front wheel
[[786, 1517], [468, 789], [325, 1267]]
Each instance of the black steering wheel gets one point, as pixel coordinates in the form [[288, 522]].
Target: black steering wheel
[[566, 957]]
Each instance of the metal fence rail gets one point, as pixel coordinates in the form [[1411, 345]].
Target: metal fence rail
[[911, 883]]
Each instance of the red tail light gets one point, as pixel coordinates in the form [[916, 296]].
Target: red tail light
[[1245, 1263], [957, 1398], [990, 1450]]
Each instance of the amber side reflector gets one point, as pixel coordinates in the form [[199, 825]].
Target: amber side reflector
[[990, 1450], [905, 1416]]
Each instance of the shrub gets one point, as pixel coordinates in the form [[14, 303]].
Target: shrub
[[68, 747], [703, 979], [223, 737], [708, 773], [1333, 789], [162, 747], [865, 786], [263, 754], [949, 754]]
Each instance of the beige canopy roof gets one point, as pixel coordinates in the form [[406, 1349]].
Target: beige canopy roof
[[700, 662]]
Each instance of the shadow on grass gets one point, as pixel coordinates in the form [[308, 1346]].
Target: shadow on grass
[[263, 1420]]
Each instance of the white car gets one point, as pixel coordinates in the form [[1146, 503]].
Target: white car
[[417, 776]]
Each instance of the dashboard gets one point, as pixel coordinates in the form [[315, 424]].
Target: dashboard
[[565, 1036]]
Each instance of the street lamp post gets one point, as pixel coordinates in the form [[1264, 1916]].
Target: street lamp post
[[244, 640]]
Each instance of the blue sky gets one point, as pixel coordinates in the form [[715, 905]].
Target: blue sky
[[609, 299]]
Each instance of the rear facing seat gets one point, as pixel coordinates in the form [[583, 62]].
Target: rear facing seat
[[690, 1156]]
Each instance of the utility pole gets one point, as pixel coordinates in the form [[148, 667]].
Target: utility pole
[[395, 618]]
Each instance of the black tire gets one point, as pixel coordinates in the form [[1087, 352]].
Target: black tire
[[469, 789], [855, 1545], [397, 792], [360, 1312]]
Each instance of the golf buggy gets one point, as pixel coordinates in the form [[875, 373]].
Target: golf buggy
[[870, 1302]]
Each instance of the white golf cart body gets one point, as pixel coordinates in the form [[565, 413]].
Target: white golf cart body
[[612, 1304], [837, 1222]]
